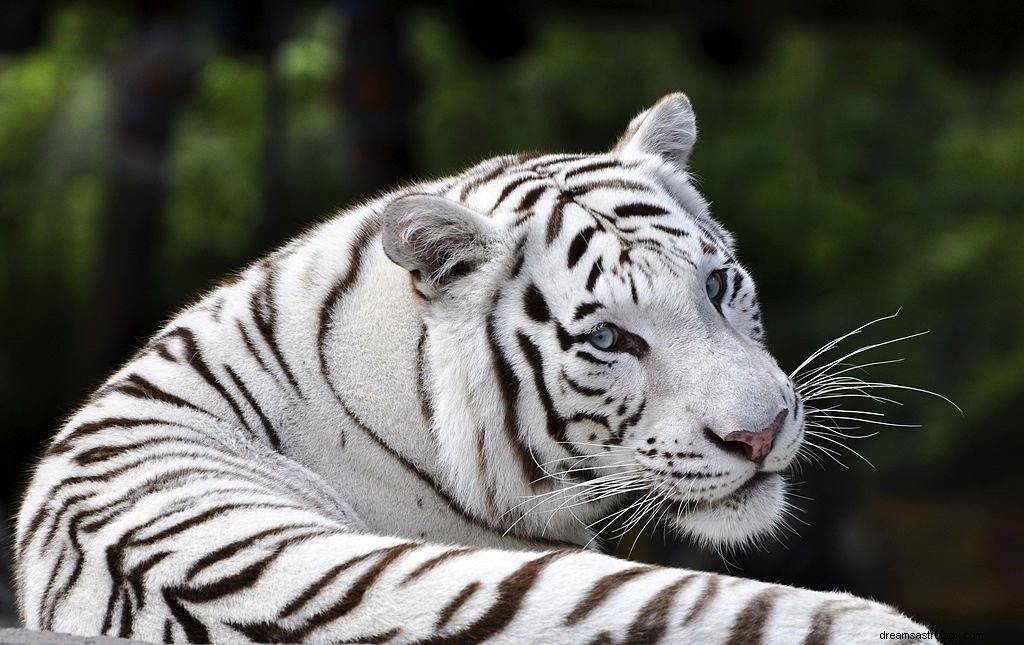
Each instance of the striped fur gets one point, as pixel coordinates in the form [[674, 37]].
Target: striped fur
[[402, 427]]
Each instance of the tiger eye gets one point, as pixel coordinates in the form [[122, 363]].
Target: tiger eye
[[604, 336]]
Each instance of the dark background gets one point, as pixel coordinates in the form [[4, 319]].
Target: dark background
[[869, 157]]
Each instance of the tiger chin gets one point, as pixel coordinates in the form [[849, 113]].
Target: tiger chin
[[412, 423]]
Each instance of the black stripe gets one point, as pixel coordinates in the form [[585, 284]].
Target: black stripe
[[555, 423], [48, 609], [313, 590], [520, 255], [483, 474], [53, 597], [367, 232], [196, 362], [103, 453], [735, 283], [565, 339], [432, 563], [115, 553], [58, 512], [476, 182], [195, 630], [579, 246], [586, 309], [125, 628], [231, 548], [207, 515], [633, 419], [509, 385], [216, 305], [249, 345], [546, 161], [705, 598], [242, 477], [594, 417], [65, 444], [651, 623], [138, 387], [506, 606], [616, 183], [556, 217], [535, 305], [590, 358], [595, 273], [352, 598], [164, 480], [582, 389], [678, 232], [821, 625], [234, 583], [135, 576], [160, 347], [639, 209], [264, 314], [448, 612], [509, 187], [748, 629], [369, 229], [422, 393], [601, 590], [530, 198], [593, 166], [275, 441]]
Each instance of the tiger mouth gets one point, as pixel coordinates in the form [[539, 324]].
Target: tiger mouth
[[745, 489], [733, 500]]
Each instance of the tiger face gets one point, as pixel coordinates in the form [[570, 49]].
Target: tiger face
[[652, 352], [621, 335]]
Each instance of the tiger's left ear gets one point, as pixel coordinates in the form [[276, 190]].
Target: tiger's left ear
[[435, 239], [667, 130]]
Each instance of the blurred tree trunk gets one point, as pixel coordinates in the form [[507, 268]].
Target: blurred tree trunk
[[276, 22], [378, 91], [149, 81]]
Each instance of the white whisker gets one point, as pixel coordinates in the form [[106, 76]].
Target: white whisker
[[832, 343], [826, 451], [887, 424], [843, 445]]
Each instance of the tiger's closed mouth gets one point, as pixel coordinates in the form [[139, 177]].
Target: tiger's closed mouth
[[756, 480], [732, 499]]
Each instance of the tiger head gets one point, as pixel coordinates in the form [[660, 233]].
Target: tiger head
[[594, 342]]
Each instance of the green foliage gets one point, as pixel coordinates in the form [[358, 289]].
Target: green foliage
[[217, 168], [860, 175], [52, 146]]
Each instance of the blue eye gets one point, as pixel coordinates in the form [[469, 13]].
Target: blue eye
[[604, 336], [715, 287]]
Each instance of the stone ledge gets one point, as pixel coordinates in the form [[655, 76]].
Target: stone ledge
[[29, 637]]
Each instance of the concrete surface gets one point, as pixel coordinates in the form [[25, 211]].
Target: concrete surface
[[26, 637]]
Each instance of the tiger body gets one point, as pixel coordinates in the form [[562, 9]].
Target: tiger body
[[404, 425]]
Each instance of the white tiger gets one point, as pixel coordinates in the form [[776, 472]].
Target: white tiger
[[403, 426]]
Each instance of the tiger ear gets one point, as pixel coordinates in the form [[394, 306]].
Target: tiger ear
[[667, 130], [435, 239]]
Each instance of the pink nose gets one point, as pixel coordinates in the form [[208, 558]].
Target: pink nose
[[756, 445]]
